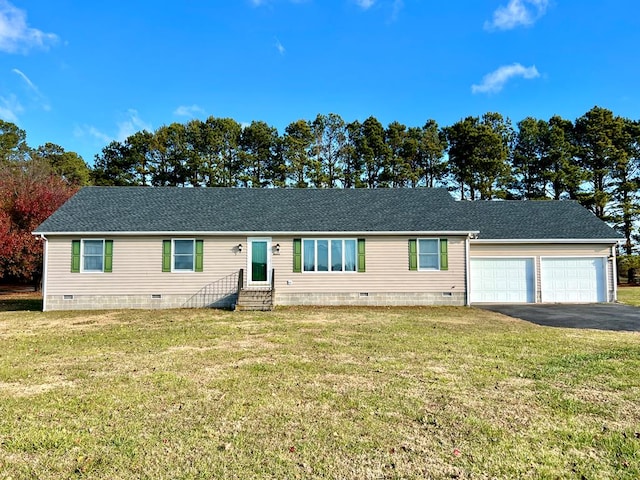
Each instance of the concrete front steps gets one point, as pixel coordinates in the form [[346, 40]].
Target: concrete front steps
[[260, 300]]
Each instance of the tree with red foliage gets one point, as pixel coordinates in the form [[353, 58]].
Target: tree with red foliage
[[29, 192]]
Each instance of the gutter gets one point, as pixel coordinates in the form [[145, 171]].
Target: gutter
[[547, 240], [263, 233]]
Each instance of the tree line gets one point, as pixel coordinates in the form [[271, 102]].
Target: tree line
[[594, 159]]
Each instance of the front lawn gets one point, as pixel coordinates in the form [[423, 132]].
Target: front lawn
[[629, 295], [314, 393]]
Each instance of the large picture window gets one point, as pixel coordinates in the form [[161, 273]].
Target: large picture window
[[329, 255]]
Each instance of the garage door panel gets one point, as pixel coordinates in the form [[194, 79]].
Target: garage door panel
[[573, 280], [502, 280]]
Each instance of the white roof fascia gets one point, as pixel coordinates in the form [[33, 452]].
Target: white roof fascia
[[547, 240], [263, 233]]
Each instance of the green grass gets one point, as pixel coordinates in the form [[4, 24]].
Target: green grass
[[629, 295], [314, 393]]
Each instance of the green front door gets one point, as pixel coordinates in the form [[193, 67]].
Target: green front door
[[259, 261]]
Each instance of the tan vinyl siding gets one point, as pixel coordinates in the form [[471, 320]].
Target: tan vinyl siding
[[137, 268], [532, 250], [387, 270]]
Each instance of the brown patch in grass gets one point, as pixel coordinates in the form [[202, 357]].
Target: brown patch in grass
[[39, 324], [187, 348], [343, 383], [18, 389], [254, 342]]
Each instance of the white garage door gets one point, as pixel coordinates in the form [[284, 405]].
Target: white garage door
[[502, 280], [573, 280]]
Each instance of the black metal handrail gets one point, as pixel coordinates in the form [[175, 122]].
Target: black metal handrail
[[219, 293]]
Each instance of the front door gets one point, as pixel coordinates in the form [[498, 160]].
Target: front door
[[259, 261]]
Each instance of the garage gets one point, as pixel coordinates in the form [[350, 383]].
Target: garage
[[573, 279], [502, 280]]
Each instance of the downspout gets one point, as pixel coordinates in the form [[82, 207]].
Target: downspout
[[467, 275], [614, 272], [45, 250]]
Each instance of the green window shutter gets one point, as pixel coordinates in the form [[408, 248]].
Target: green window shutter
[[75, 256], [444, 254], [166, 255], [199, 254], [297, 255], [108, 256], [413, 254], [361, 255]]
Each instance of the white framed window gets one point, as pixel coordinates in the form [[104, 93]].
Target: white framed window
[[428, 254], [92, 254], [329, 255], [183, 253]]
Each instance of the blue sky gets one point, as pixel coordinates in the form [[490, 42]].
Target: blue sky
[[81, 74]]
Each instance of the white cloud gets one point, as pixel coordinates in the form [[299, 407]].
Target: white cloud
[[15, 33], [516, 13], [131, 125], [26, 80], [126, 128], [91, 131], [494, 82], [261, 3], [365, 4], [38, 96], [188, 110], [398, 5], [280, 47], [10, 108]]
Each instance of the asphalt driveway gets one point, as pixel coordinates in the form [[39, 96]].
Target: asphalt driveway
[[599, 316]]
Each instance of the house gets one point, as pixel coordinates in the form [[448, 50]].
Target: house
[[165, 247]]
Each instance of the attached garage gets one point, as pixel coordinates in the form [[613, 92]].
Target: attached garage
[[502, 280], [573, 279]]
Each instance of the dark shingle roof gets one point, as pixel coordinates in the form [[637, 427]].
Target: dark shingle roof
[[167, 209], [524, 220], [175, 209]]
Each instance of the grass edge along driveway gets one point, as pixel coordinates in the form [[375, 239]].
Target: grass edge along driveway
[[314, 393]]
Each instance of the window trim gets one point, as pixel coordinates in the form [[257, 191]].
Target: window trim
[[438, 254], [82, 269], [329, 259], [173, 256]]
